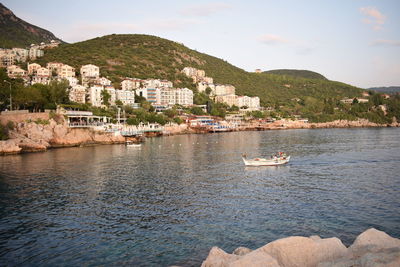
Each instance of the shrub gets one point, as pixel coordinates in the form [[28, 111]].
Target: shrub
[[3, 132], [42, 121], [10, 125], [178, 120]]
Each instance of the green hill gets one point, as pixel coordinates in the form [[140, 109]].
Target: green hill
[[15, 32], [297, 73], [145, 56]]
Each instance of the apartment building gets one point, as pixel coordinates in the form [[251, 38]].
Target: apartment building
[[66, 71], [127, 97], [54, 67], [252, 103], [153, 95], [77, 94], [184, 97], [32, 68], [14, 71], [90, 71], [131, 84], [230, 99]]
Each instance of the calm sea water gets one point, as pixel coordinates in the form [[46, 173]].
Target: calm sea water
[[176, 197]]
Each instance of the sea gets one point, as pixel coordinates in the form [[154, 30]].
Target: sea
[[174, 198]]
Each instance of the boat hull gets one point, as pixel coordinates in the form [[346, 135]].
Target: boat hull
[[265, 162]]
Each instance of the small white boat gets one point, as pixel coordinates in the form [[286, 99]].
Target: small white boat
[[132, 144], [266, 162]]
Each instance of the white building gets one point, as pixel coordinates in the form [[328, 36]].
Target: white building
[[44, 72], [77, 94], [208, 80], [71, 80], [153, 95], [35, 52], [32, 68], [172, 96], [6, 58], [90, 71], [252, 103], [21, 54], [166, 84], [94, 95], [131, 84], [54, 67], [103, 81], [193, 72], [66, 71], [230, 100], [14, 71], [189, 71], [40, 79], [127, 97], [224, 89], [184, 97], [202, 86], [168, 96]]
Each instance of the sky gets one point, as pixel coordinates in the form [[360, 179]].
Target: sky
[[351, 41]]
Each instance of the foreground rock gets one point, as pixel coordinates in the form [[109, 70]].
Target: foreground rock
[[371, 248]]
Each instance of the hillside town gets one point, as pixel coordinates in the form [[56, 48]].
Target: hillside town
[[88, 86], [223, 93], [15, 55]]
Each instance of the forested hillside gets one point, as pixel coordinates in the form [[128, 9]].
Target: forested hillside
[[145, 56]]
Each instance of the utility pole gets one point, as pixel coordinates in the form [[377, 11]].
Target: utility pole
[[10, 94], [119, 114]]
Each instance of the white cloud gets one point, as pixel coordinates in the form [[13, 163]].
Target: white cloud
[[204, 10], [381, 42], [271, 39], [374, 17]]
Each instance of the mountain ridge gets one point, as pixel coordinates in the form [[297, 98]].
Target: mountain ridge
[[15, 32], [386, 89]]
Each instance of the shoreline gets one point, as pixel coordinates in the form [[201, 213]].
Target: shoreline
[[29, 137]]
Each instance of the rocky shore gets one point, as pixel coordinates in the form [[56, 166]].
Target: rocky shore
[[30, 136], [371, 248], [34, 137]]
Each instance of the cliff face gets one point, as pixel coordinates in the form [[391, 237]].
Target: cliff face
[[32, 137]]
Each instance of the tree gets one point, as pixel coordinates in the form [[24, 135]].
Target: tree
[[257, 114], [178, 120], [197, 111], [133, 121], [234, 108], [119, 103], [58, 92], [208, 91], [376, 99], [105, 97], [170, 113]]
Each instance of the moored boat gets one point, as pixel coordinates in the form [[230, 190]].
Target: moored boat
[[273, 161], [132, 144]]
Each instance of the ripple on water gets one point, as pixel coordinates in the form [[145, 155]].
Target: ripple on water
[[165, 204]]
